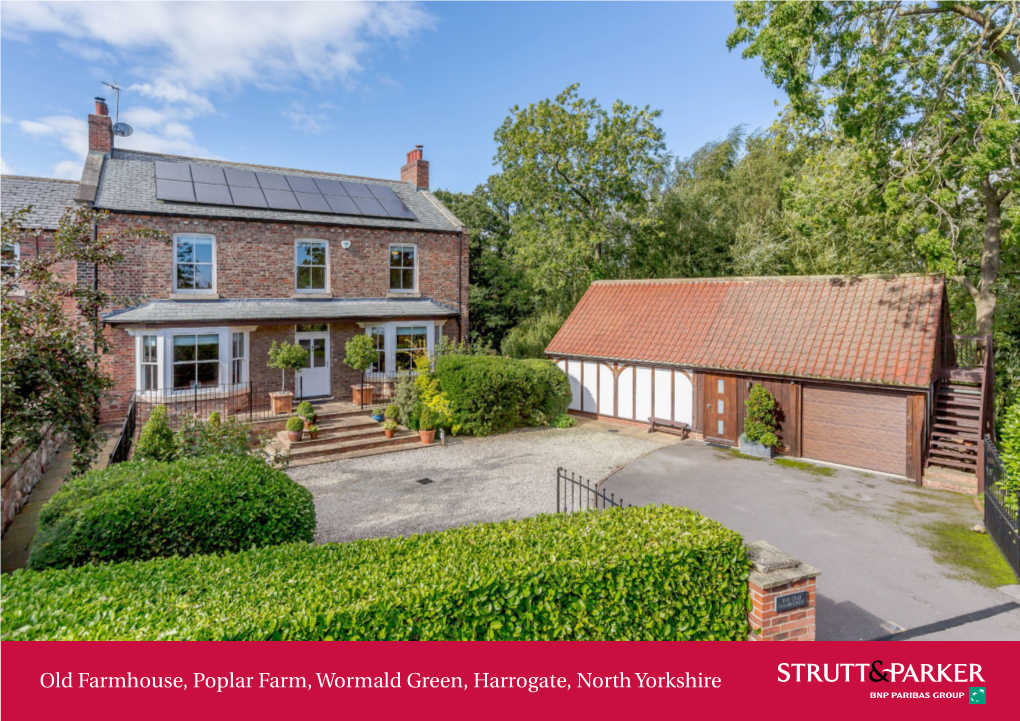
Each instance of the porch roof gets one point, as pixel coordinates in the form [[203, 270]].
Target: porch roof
[[204, 311]]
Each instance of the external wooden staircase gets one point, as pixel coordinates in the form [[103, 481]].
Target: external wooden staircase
[[961, 416], [345, 431]]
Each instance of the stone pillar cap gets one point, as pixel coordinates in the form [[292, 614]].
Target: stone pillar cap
[[773, 567]]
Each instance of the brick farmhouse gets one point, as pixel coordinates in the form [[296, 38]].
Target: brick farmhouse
[[252, 255]]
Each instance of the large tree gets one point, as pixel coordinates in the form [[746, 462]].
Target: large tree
[[52, 335], [927, 94], [574, 177]]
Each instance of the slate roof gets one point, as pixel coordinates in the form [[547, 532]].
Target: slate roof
[[867, 329], [200, 311], [128, 183], [48, 197]]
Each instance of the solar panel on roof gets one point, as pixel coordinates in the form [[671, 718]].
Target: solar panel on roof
[[175, 190], [330, 187], [248, 197], [272, 181], [370, 206], [396, 209], [172, 171], [357, 190], [208, 174], [212, 194], [313, 202], [302, 185], [342, 205], [381, 192], [281, 200], [241, 178]]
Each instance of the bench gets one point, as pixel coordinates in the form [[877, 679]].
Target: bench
[[670, 426]]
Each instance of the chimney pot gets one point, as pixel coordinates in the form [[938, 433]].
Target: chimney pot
[[101, 107], [101, 128]]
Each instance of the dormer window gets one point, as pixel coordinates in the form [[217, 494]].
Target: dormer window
[[194, 264], [311, 266]]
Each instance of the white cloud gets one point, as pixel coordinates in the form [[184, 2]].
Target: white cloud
[[308, 122], [86, 52], [72, 133], [68, 170], [5, 168]]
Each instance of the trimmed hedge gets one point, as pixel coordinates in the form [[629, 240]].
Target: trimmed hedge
[[147, 509], [651, 573], [490, 394]]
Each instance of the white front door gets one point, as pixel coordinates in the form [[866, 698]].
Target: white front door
[[313, 379]]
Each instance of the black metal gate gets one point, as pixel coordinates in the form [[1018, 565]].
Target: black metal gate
[[1002, 518], [575, 493]]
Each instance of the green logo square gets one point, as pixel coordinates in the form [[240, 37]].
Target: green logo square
[[977, 694]]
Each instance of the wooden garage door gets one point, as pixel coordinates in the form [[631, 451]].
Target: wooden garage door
[[857, 428]]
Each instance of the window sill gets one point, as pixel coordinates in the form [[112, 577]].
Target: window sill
[[312, 296], [194, 296], [403, 294]]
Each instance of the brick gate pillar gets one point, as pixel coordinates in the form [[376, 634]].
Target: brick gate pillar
[[782, 595]]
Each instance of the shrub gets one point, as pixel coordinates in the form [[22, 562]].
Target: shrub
[[305, 410], [530, 337], [295, 424], [490, 394], [650, 573], [405, 398], [392, 412], [427, 421], [564, 420], [390, 425], [215, 418], [156, 441], [760, 420], [1009, 445], [284, 357], [360, 352], [145, 509], [214, 437], [431, 396]]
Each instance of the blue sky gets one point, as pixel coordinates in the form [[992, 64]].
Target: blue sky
[[350, 87]]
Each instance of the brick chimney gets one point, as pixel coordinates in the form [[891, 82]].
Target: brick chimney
[[101, 128], [417, 170]]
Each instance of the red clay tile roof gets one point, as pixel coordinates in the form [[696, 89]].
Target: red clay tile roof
[[868, 329]]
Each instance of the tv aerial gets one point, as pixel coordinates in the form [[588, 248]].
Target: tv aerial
[[120, 129]]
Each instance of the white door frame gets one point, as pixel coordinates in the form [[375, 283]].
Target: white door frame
[[314, 391]]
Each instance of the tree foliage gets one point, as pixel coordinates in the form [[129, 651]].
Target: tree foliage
[[52, 336]]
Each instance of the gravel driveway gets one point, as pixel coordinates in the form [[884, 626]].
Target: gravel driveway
[[474, 479]]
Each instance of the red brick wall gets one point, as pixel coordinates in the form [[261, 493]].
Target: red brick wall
[[256, 260], [41, 242]]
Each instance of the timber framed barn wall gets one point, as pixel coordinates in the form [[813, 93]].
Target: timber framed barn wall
[[859, 356]]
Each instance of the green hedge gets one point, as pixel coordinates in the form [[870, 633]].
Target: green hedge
[[652, 573], [490, 394], [147, 509]]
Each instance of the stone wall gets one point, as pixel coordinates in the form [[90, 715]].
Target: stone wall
[[21, 471]]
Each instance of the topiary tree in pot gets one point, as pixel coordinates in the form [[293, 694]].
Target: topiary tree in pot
[[284, 357], [156, 441], [759, 437], [360, 355]]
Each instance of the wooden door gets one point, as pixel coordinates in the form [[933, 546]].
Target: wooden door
[[720, 399]]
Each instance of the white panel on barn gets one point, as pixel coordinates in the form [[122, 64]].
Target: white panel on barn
[[625, 393], [644, 394], [590, 387], [663, 393], [574, 373], [683, 400], [607, 388]]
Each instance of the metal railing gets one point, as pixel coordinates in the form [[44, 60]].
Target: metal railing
[[122, 451], [244, 401], [384, 385], [575, 493], [1002, 517]]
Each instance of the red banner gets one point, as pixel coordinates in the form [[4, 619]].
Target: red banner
[[524, 681]]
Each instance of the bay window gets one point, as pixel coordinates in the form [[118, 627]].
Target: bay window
[[237, 357], [398, 342], [181, 360], [150, 363], [378, 334], [410, 341], [196, 361]]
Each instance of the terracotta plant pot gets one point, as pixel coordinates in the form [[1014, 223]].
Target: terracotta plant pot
[[294, 436], [389, 432], [283, 401], [362, 394], [427, 436], [314, 435], [308, 423]]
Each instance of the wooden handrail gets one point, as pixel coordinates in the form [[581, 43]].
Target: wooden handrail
[[985, 413]]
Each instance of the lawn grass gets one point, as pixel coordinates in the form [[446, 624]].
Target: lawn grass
[[811, 468], [973, 556]]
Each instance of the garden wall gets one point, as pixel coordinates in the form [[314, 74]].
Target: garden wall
[[21, 471]]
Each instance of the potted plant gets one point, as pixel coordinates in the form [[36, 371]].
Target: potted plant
[[295, 429], [306, 411], [390, 427], [392, 412], [377, 415], [313, 432], [360, 355], [759, 436], [427, 426], [285, 357]]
